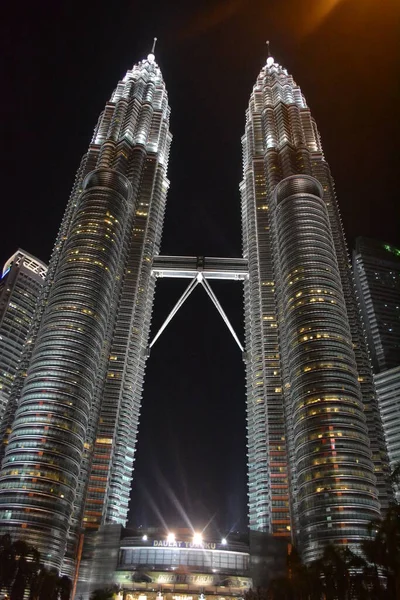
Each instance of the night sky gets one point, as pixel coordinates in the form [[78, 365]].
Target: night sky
[[60, 61]]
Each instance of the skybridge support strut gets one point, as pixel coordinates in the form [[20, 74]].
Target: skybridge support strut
[[199, 270], [177, 306], [219, 308]]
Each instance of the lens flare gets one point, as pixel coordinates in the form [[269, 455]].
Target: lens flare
[[318, 13]]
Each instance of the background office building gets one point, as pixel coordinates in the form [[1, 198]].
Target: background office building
[[377, 274], [20, 286], [388, 390]]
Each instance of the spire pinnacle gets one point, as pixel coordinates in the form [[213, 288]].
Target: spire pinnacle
[[270, 59], [151, 57]]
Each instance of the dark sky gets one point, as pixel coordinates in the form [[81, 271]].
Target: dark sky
[[59, 64]]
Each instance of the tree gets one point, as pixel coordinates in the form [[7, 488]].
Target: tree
[[20, 570], [333, 573], [64, 587], [44, 586], [383, 551], [49, 589], [395, 477], [301, 583], [301, 577], [359, 579], [104, 593], [7, 561], [26, 564], [339, 573]]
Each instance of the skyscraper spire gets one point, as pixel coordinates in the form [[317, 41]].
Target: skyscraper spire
[[270, 59], [151, 57]]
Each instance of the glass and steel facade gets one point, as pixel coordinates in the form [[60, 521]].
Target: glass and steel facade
[[377, 274], [197, 559], [316, 453], [20, 286], [70, 439]]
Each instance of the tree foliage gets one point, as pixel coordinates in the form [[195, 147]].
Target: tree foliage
[[105, 593], [370, 572], [395, 474], [21, 571]]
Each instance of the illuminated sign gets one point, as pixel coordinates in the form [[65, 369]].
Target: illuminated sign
[[169, 596], [194, 580], [167, 577], [160, 596], [167, 544]]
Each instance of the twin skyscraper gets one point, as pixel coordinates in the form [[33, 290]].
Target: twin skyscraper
[[317, 464]]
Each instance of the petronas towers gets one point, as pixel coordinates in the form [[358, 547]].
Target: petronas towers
[[317, 465]]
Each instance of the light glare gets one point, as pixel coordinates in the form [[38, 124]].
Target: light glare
[[171, 537], [197, 538], [224, 542]]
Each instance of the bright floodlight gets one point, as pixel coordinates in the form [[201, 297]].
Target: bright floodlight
[[197, 538], [144, 538], [224, 542], [270, 61], [171, 537]]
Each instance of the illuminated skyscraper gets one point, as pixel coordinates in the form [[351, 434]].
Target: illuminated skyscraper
[[316, 453], [71, 448], [20, 285]]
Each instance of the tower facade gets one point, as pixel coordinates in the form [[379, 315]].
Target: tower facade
[[20, 285], [74, 412], [316, 455]]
